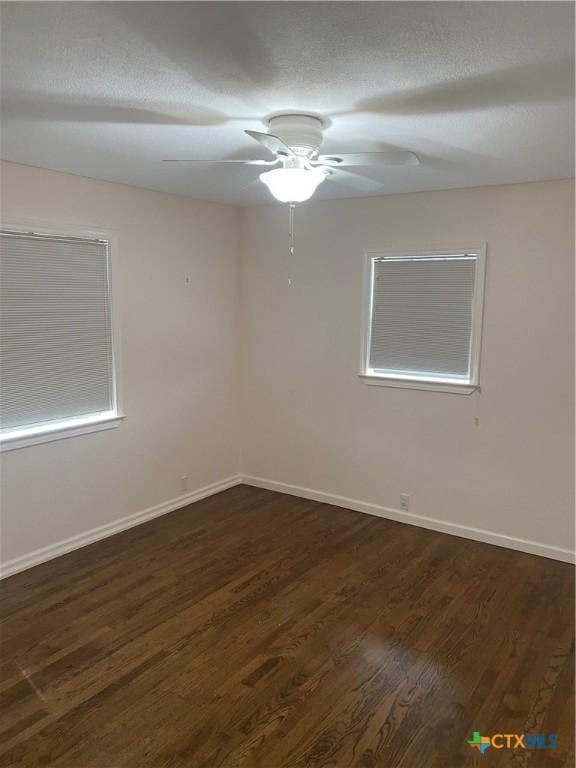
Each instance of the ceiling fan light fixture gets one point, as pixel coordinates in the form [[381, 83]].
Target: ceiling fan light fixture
[[292, 185]]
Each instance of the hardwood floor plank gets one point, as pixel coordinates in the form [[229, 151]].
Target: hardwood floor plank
[[259, 630]]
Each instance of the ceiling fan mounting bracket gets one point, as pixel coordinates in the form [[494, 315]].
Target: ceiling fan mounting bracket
[[302, 133]]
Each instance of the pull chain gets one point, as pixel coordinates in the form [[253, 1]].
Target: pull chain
[[291, 243]]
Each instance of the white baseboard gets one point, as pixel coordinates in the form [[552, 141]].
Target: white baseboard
[[109, 529], [102, 532], [477, 534]]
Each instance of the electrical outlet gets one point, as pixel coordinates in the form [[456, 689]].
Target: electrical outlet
[[405, 501], [184, 483]]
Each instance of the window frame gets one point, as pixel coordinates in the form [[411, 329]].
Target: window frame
[[74, 427], [368, 376]]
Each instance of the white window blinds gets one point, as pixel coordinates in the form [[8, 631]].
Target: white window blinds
[[422, 317], [55, 331]]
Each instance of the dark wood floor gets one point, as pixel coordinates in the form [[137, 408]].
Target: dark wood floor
[[258, 629]]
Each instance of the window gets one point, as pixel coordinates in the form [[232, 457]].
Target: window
[[423, 319], [57, 375]]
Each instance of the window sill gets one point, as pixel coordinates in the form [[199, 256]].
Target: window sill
[[431, 386], [59, 433]]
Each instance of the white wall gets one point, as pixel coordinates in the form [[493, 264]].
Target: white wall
[[179, 361], [310, 422], [306, 419]]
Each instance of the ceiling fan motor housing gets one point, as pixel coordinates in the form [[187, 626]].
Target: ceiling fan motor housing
[[302, 133]]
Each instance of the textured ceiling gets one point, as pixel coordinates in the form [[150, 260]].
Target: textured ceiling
[[481, 91]]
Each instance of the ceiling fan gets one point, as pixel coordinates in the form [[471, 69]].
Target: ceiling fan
[[295, 141]]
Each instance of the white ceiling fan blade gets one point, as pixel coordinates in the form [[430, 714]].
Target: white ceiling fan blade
[[354, 180], [272, 143], [369, 158], [255, 184], [219, 162]]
